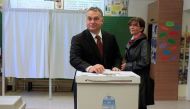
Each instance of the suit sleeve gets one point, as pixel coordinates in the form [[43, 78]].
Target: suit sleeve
[[118, 57], [76, 55]]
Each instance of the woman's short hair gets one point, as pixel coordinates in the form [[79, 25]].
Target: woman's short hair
[[139, 20]]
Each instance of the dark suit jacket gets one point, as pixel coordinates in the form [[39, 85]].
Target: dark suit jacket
[[84, 51]]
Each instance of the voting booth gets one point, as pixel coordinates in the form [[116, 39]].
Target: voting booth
[[110, 90], [11, 102]]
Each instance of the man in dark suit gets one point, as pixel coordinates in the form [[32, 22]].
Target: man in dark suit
[[94, 50]]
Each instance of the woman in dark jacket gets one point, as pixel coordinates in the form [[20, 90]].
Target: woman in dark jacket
[[137, 59]]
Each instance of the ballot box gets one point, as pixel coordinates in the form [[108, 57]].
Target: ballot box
[[110, 90], [11, 102]]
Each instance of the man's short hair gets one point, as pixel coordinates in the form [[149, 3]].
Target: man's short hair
[[95, 9]]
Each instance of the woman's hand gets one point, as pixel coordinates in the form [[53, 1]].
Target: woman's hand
[[123, 66], [115, 69]]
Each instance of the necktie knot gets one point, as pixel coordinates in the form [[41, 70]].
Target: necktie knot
[[98, 37]]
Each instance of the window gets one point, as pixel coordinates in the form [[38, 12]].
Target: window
[[83, 4], [57, 4], [109, 7], [32, 4]]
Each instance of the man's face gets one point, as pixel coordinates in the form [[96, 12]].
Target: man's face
[[94, 21]]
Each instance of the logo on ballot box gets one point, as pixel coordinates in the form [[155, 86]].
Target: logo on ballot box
[[108, 102]]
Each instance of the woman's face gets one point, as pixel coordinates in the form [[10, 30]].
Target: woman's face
[[135, 28]]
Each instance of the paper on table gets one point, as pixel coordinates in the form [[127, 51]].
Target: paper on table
[[119, 73], [107, 72]]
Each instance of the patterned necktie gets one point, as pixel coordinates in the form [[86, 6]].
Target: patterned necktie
[[99, 45]]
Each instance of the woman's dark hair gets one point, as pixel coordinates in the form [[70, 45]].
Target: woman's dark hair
[[139, 20]]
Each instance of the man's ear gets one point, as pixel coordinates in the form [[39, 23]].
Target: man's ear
[[102, 20]]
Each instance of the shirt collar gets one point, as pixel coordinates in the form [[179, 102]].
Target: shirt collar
[[136, 36], [94, 35]]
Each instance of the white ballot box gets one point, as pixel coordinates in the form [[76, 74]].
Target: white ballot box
[[110, 90], [11, 102]]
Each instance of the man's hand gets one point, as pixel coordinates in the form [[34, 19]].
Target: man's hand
[[98, 68]]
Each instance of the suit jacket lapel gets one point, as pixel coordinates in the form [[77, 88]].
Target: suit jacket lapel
[[105, 43], [92, 44]]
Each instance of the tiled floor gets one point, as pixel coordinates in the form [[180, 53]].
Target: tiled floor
[[41, 100], [171, 105], [64, 100]]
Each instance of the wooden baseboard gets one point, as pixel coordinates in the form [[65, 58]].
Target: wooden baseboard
[[58, 85]]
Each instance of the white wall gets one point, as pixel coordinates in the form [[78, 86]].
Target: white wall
[[186, 5], [185, 21], [139, 8], [183, 91]]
